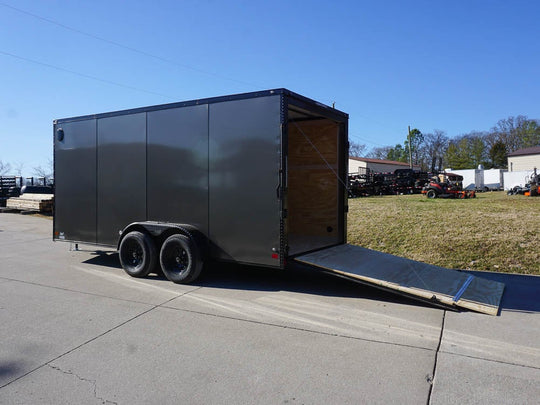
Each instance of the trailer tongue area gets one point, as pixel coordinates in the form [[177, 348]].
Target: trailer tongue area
[[440, 286]]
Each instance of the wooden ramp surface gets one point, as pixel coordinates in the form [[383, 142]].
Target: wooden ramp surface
[[428, 282]]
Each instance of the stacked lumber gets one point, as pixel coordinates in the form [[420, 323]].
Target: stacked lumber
[[32, 202]]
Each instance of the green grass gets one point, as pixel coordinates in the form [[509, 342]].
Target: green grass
[[493, 232]]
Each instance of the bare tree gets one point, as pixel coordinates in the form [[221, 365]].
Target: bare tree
[[356, 149], [44, 171], [18, 168], [4, 168], [515, 132], [379, 152], [434, 150]]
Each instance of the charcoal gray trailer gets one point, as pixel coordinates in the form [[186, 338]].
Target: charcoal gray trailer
[[257, 178]]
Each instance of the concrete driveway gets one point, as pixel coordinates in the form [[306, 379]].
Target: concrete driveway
[[76, 329]]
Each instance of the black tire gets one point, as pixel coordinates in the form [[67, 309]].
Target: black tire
[[431, 194], [138, 254], [180, 259]]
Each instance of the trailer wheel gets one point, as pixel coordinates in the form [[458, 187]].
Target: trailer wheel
[[138, 254], [431, 194], [180, 259]]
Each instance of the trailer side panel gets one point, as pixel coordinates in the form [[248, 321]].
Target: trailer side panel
[[178, 166], [244, 164], [121, 166], [75, 178]]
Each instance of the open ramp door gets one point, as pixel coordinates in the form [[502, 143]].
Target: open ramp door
[[408, 277]]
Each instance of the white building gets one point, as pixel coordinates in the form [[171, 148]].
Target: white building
[[359, 165], [524, 159]]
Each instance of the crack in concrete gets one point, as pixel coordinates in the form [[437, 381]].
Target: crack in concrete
[[92, 382], [431, 378], [95, 337]]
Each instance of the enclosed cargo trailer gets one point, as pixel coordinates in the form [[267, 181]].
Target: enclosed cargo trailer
[[257, 178], [493, 179], [473, 179]]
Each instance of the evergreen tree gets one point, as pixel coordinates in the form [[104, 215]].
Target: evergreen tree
[[397, 153], [416, 139], [497, 155]]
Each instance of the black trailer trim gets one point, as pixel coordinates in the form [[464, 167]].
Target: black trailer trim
[[83, 242], [312, 106], [299, 100], [283, 241]]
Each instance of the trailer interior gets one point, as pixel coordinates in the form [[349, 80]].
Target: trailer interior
[[315, 197]]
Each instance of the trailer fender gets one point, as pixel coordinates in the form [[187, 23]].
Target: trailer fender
[[160, 231]]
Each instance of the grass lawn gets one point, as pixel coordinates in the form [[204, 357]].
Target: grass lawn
[[493, 232]]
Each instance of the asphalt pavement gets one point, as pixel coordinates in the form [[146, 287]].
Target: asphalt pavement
[[75, 329]]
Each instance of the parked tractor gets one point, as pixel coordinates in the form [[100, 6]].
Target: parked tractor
[[447, 185]]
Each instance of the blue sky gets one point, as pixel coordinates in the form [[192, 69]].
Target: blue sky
[[456, 66]]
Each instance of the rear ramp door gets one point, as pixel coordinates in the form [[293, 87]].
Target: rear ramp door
[[408, 277]]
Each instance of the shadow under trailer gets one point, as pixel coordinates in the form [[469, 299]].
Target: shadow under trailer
[[257, 178]]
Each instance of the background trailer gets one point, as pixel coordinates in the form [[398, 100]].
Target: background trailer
[[257, 178]]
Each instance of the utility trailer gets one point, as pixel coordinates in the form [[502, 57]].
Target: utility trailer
[[257, 178]]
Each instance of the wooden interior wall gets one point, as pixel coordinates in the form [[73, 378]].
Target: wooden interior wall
[[312, 186]]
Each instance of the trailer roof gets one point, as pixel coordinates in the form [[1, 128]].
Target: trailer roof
[[265, 93]]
